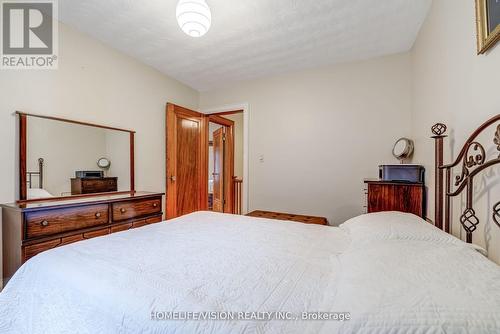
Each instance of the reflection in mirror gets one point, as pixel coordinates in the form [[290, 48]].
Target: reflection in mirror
[[65, 159]]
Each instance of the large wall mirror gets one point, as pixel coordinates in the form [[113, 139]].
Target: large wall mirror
[[60, 158]]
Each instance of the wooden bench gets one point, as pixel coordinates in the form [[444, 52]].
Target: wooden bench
[[289, 217]]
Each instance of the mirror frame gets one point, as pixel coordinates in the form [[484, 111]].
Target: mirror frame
[[410, 146], [23, 189]]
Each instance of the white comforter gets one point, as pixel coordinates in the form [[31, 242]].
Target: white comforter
[[214, 262]]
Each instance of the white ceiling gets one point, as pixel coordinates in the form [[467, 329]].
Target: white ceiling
[[250, 38]]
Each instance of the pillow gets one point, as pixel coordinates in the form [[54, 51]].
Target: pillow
[[394, 225]]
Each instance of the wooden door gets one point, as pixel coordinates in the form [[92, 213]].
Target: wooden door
[[186, 161], [228, 162], [218, 174]]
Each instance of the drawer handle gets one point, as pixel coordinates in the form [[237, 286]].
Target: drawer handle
[[98, 215], [122, 210], [155, 205], [44, 223]]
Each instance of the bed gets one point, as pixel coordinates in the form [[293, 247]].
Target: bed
[[37, 192], [206, 272], [383, 271]]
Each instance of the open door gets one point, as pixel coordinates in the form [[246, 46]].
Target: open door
[[186, 161], [223, 159], [218, 174]]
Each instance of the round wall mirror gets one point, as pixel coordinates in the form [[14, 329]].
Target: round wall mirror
[[403, 149], [104, 163]]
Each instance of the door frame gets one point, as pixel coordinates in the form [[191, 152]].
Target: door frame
[[246, 146], [228, 159], [172, 110]]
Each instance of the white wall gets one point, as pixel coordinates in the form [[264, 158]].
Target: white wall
[[452, 84], [97, 84], [321, 132]]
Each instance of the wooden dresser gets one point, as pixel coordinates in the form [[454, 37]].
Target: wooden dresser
[[93, 185], [29, 229], [289, 217], [396, 196]]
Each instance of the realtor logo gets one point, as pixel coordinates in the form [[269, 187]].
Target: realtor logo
[[29, 34]]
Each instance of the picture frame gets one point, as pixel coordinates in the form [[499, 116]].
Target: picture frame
[[488, 24]]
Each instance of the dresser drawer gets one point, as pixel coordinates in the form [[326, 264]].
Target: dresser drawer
[[133, 209], [119, 228], [99, 185], [32, 250], [154, 220], [50, 222], [139, 223], [94, 234], [71, 239], [147, 221]]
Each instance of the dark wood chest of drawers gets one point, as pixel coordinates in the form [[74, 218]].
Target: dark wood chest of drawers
[[29, 229], [93, 185], [396, 196]]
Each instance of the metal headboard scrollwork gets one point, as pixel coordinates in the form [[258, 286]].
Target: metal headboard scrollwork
[[38, 173], [473, 160]]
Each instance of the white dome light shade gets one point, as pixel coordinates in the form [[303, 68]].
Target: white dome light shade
[[194, 17]]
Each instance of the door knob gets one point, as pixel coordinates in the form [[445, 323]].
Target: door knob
[[172, 178]]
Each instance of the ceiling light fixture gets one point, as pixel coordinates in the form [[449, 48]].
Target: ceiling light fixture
[[194, 17]]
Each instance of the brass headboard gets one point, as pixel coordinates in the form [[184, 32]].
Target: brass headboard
[[473, 160]]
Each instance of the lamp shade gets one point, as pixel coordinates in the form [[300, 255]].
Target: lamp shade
[[194, 17]]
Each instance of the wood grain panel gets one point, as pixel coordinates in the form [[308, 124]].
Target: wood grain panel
[[229, 169], [132, 161], [218, 173], [139, 223], [23, 191], [92, 186], [94, 234], [129, 210], [32, 250], [154, 220], [44, 223], [396, 197], [71, 239], [119, 228], [289, 217], [187, 164]]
